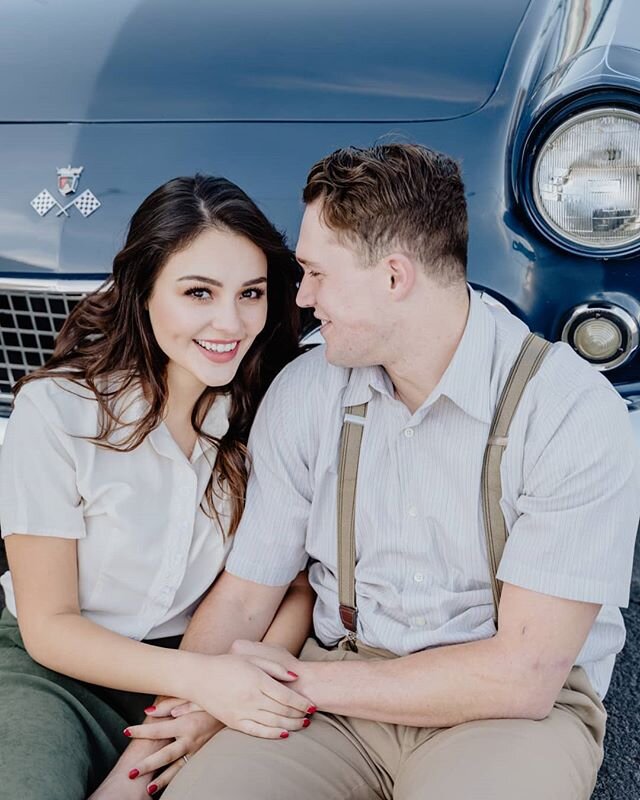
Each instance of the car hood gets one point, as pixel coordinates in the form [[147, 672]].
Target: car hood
[[163, 60]]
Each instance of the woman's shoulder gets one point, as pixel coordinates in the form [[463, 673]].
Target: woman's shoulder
[[72, 405], [65, 404], [64, 394]]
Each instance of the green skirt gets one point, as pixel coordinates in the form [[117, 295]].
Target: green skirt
[[59, 737]]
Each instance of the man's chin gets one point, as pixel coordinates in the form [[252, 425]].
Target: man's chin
[[345, 360]]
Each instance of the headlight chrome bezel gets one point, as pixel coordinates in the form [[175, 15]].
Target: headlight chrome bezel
[[626, 323], [549, 125]]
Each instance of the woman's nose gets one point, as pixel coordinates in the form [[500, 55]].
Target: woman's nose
[[226, 319]]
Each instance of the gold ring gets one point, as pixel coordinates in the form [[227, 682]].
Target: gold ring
[[185, 758]]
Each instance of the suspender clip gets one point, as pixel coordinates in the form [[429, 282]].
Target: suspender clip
[[349, 618]]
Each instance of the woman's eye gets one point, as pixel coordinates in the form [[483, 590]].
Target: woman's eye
[[253, 294], [199, 293]]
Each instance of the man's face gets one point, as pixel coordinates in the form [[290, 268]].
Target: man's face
[[346, 297]]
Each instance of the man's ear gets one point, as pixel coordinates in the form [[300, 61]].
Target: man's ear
[[400, 272]]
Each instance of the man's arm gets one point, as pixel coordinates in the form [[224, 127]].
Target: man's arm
[[233, 609], [517, 673], [293, 622]]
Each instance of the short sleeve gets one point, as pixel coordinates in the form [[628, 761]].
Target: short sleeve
[[269, 546], [578, 513], [38, 487]]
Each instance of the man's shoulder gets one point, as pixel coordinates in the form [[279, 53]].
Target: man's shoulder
[[565, 393], [298, 401], [310, 376], [564, 377], [572, 412]]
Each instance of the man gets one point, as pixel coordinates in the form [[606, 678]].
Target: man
[[461, 711]]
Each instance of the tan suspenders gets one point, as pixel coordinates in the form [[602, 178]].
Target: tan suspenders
[[352, 428], [531, 355]]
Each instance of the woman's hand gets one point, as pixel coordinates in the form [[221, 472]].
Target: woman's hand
[[271, 652], [246, 693], [188, 733]]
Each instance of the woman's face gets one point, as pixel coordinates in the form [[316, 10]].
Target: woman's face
[[208, 304]]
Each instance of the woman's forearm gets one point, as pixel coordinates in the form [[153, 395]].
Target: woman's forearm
[[75, 646]]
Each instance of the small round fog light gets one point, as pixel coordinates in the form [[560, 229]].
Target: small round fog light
[[597, 339], [602, 333]]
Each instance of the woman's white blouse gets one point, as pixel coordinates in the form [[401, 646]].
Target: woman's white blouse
[[147, 552]]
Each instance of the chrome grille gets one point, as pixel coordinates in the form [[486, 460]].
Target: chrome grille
[[32, 313]]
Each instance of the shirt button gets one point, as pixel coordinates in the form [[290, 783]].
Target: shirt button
[[408, 432], [420, 621], [418, 577], [413, 511]]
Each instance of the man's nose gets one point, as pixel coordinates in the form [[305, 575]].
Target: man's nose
[[305, 297]]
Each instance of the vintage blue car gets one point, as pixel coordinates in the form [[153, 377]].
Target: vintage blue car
[[538, 99]]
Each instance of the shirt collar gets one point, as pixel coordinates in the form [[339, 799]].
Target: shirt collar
[[134, 405], [363, 381], [467, 379], [215, 423]]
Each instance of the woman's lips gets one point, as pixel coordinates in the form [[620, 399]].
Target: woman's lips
[[217, 357]]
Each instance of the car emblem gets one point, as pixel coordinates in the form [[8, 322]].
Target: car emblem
[[68, 178]]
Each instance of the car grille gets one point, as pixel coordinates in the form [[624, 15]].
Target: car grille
[[32, 313]]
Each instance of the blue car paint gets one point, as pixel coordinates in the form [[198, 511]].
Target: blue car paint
[[142, 91]]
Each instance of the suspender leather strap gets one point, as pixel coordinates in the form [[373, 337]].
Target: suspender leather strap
[[352, 429], [525, 367], [533, 351]]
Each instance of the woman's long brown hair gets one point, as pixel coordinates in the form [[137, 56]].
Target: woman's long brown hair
[[109, 332]]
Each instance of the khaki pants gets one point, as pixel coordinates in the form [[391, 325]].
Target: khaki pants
[[347, 758]]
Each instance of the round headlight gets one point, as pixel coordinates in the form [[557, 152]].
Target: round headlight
[[585, 179], [602, 333]]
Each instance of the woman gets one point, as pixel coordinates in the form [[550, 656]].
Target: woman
[[122, 482]]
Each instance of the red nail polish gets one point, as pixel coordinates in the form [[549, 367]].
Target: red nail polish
[[127, 732], [311, 710], [134, 773], [284, 735], [152, 789], [293, 674], [150, 710], [306, 723]]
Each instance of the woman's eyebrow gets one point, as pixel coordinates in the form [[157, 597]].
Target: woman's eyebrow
[[214, 282]]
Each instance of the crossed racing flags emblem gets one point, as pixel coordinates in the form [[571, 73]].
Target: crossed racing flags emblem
[[68, 178]]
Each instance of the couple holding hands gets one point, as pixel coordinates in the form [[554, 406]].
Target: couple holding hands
[[362, 637]]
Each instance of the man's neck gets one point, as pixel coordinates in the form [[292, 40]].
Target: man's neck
[[427, 354]]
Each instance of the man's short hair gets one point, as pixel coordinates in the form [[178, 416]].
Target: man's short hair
[[395, 196]]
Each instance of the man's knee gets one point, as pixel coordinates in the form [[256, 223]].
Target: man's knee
[[314, 763], [502, 759]]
